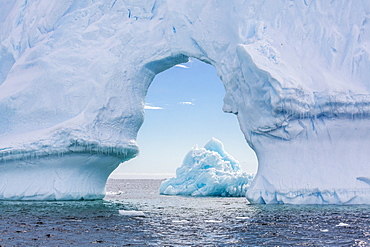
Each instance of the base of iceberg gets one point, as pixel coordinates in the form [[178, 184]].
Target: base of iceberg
[[326, 163], [66, 177], [315, 196], [208, 171]]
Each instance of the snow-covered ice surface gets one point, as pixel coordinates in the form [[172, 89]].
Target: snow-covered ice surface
[[208, 171], [74, 75]]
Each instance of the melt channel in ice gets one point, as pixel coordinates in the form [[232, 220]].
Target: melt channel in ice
[[208, 171]]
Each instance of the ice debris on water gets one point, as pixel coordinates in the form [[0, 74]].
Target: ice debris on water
[[343, 224], [180, 221], [213, 221], [208, 171], [131, 213]]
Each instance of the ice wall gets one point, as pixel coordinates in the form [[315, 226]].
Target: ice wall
[[74, 75], [208, 171]]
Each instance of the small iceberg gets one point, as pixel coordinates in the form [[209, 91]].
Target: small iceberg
[[208, 171], [131, 213]]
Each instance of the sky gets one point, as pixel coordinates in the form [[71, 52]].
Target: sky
[[184, 109]]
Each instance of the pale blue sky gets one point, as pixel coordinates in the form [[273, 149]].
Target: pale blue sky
[[184, 109]]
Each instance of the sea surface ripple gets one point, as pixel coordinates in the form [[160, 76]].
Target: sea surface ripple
[[178, 221]]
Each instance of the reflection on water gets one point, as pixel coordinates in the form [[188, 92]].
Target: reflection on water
[[179, 221]]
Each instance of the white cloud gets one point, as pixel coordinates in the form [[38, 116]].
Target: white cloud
[[182, 66], [186, 103], [152, 107]]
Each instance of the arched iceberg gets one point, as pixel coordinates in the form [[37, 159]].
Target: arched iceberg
[[74, 76]]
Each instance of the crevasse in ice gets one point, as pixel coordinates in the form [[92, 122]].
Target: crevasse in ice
[[208, 171], [74, 76]]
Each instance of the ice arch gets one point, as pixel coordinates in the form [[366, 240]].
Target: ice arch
[[74, 75], [183, 108]]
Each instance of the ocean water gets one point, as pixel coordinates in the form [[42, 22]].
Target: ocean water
[[178, 221]]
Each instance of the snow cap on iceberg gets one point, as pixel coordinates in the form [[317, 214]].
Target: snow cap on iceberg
[[208, 171]]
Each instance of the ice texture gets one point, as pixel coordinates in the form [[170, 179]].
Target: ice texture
[[74, 76], [208, 171]]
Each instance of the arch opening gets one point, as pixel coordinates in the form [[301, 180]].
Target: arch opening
[[183, 108]]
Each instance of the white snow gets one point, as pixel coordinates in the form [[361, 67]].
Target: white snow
[[74, 76], [208, 171]]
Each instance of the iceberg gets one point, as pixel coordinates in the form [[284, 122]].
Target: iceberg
[[74, 76], [208, 171]]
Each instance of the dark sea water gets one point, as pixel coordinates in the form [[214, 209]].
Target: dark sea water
[[178, 221]]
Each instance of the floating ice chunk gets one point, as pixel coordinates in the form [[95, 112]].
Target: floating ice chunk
[[242, 217], [343, 224], [131, 213], [213, 221], [180, 221], [208, 171]]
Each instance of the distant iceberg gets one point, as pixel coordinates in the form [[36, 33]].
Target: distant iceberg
[[208, 171]]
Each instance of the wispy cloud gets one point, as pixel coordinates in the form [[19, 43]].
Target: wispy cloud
[[186, 103], [182, 66], [149, 106]]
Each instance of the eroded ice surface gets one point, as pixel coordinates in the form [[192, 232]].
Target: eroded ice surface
[[208, 171], [74, 76]]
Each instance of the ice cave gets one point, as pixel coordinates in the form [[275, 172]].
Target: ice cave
[[74, 76]]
